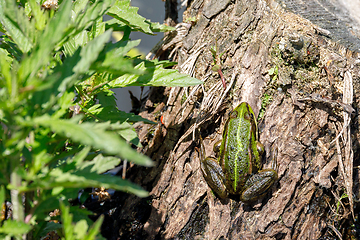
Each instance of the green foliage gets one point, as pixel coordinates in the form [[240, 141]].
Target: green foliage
[[339, 203], [265, 101], [273, 72], [80, 230], [60, 127], [14, 228]]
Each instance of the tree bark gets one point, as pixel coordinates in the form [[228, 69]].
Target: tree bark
[[303, 85]]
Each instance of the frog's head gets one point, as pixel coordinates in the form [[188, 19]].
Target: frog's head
[[245, 113]]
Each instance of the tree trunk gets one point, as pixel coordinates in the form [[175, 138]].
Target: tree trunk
[[300, 82]]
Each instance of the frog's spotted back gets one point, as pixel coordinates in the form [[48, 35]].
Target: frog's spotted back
[[236, 171]]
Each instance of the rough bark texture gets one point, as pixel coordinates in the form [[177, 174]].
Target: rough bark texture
[[299, 81], [340, 18]]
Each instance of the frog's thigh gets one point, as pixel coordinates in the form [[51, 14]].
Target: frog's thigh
[[214, 176], [258, 184]]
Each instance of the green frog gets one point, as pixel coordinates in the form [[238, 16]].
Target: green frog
[[237, 170]]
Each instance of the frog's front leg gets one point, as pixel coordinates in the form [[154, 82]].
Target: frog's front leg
[[214, 176], [258, 184]]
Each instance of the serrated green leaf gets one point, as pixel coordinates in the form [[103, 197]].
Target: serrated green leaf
[[48, 202], [122, 11], [79, 6], [156, 62], [97, 28], [38, 14], [95, 228], [74, 43], [50, 226], [89, 135], [157, 27], [9, 45], [90, 52], [52, 34], [16, 23], [121, 48], [40, 159], [100, 164], [84, 15], [64, 102], [66, 219], [113, 59], [95, 11], [66, 53], [79, 214], [116, 65], [5, 66], [80, 229], [116, 25], [155, 76], [130, 135], [84, 178], [47, 205], [80, 156], [67, 74], [2, 29], [106, 98], [115, 115], [14, 228]]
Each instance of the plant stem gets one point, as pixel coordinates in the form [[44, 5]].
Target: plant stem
[[16, 198], [222, 78]]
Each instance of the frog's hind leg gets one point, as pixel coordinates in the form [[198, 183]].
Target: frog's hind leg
[[258, 184], [214, 176]]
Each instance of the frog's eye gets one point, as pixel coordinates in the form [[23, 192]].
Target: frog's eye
[[234, 114], [247, 116]]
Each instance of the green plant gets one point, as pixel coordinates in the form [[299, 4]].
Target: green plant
[[339, 203], [60, 127], [273, 72], [265, 100], [217, 63]]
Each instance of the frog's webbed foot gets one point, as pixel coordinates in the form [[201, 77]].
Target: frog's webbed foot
[[258, 184]]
